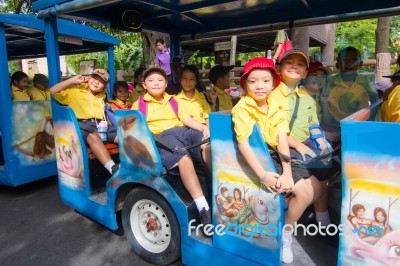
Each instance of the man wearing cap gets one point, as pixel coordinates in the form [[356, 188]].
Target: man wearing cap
[[85, 96], [219, 77], [40, 90], [390, 109], [174, 84]]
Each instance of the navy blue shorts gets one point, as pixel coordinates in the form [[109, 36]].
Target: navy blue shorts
[[92, 125], [319, 170], [180, 137]]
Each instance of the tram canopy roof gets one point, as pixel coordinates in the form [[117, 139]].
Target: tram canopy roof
[[25, 37], [189, 19]]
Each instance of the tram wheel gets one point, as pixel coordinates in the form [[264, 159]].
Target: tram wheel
[[151, 227]]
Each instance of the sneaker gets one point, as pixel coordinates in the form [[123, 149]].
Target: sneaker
[[205, 216], [287, 253], [114, 168]]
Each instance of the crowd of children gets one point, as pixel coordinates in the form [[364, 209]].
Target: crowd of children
[[292, 119]]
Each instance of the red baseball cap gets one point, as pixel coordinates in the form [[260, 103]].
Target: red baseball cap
[[318, 65], [260, 63]]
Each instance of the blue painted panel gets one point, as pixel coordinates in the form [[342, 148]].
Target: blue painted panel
[[254, 224], [371, 167]]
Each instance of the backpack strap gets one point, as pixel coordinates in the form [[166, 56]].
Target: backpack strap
[[142, 105], [174, 106]]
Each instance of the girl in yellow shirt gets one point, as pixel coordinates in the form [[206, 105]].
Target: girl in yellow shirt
[[193, 102]]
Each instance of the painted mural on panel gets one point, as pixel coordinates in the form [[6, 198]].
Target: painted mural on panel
[[69, 155], [32, 132], [370, 210]]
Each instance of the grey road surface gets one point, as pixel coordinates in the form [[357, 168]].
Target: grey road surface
[[36, 228]]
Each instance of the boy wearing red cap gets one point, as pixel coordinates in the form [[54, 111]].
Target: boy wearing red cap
[[86, 96]]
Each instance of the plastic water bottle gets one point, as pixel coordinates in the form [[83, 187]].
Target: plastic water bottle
[[102, 128]]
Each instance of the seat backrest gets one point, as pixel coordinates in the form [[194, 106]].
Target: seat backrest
[[137, 148], [230, 170]]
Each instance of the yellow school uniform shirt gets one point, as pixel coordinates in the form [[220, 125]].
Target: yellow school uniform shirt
[[246, 113], [160, 116], [84, 104], [40, 95], [117, 104], [134, 96], [224, 100], [284, 99], [392, 113], [197, 107], [20, 95], [344, 100]]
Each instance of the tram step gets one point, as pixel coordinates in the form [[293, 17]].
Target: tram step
[[99, 196]]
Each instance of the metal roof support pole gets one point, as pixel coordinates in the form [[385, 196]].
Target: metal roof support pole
[[5, 101], [111, 70], [53, 53]]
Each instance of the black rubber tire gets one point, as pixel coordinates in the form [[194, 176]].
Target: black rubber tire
[[136, 236]]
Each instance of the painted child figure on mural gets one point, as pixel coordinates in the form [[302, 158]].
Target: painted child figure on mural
[[224, 204]]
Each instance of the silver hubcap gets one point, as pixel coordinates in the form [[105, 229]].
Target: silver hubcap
[[150, 226]]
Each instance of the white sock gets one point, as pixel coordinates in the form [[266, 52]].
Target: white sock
[[109, 165], [323, 218], [287, 237], [201, 203]]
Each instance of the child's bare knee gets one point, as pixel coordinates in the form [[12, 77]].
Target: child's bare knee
[[304, 191]]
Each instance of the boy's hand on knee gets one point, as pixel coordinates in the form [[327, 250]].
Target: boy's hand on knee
[[284, 183], [269, 180]]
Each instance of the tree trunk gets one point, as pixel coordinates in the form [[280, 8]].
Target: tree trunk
[[382, 54]]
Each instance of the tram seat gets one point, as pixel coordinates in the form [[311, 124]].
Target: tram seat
[[112, 148]]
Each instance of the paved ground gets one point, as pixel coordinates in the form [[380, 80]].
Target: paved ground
[[36, 228]]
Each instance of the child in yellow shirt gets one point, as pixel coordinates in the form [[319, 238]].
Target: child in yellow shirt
[[192, 101], [40, 90], [120, 96], [138, 81], [86, 96], [164, 122], [19, 87]]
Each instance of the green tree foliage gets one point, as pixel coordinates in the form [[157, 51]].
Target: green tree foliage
[[361, 35], [128, 55]]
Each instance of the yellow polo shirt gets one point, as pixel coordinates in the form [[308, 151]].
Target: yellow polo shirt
[[346, 99], [84, 104], [117, 104], [160, 115], [134, 96], [224, 100], [285, 99], [392, 113], [246, 113], [197, 107], [20, 95], [40, 95]]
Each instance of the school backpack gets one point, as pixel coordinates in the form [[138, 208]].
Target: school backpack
[[143, 105]]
